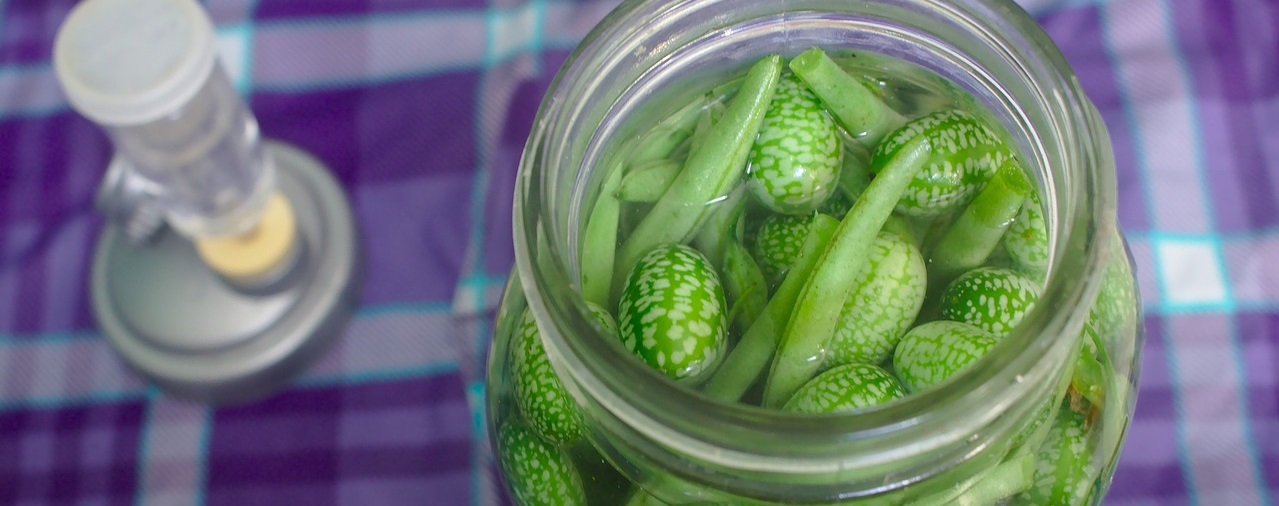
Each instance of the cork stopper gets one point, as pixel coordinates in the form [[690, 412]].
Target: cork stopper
[[259, 256]]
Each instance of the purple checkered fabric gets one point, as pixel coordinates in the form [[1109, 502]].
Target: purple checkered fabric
[[341, 445], [69, 454], [421, 109]]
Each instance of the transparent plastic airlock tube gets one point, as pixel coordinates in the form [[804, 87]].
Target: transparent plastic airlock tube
[[204, 162], [173, 117]]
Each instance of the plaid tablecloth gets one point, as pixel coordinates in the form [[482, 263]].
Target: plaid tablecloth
[[421, 107]]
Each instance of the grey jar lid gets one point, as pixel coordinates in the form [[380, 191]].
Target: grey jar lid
[[200, 336]]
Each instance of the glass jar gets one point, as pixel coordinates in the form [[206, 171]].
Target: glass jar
[[648, 438]]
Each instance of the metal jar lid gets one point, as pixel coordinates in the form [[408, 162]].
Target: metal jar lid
[[200, 336]]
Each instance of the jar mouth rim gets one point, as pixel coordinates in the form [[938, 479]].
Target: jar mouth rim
[[680, 417]]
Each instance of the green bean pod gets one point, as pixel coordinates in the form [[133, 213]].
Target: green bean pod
[[648, 181], [1088, 377]]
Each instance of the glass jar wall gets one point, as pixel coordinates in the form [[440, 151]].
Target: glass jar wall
[[1038, 419]]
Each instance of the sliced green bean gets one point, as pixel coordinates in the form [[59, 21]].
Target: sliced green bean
[[818, 308], [744, 286], [854, 107], [713, 236], [1116, 404], [599, 242], [646, 182], [705, 121], [971, 238], [665, 138], [854, 176], [754, 351], [708, 173]]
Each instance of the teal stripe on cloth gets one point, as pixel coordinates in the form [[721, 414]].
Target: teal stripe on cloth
[[381, 343], [60, 401]]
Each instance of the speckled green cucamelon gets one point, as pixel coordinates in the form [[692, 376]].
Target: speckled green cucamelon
[[846, 388], [1115, 311], [889, 292], [992, 298], [1027, 238], [777, 242], [794, 164], [539, 473], [1064, 472], [604, 318], [932, 352], [671, 312], [539, 393], [965, 152]]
